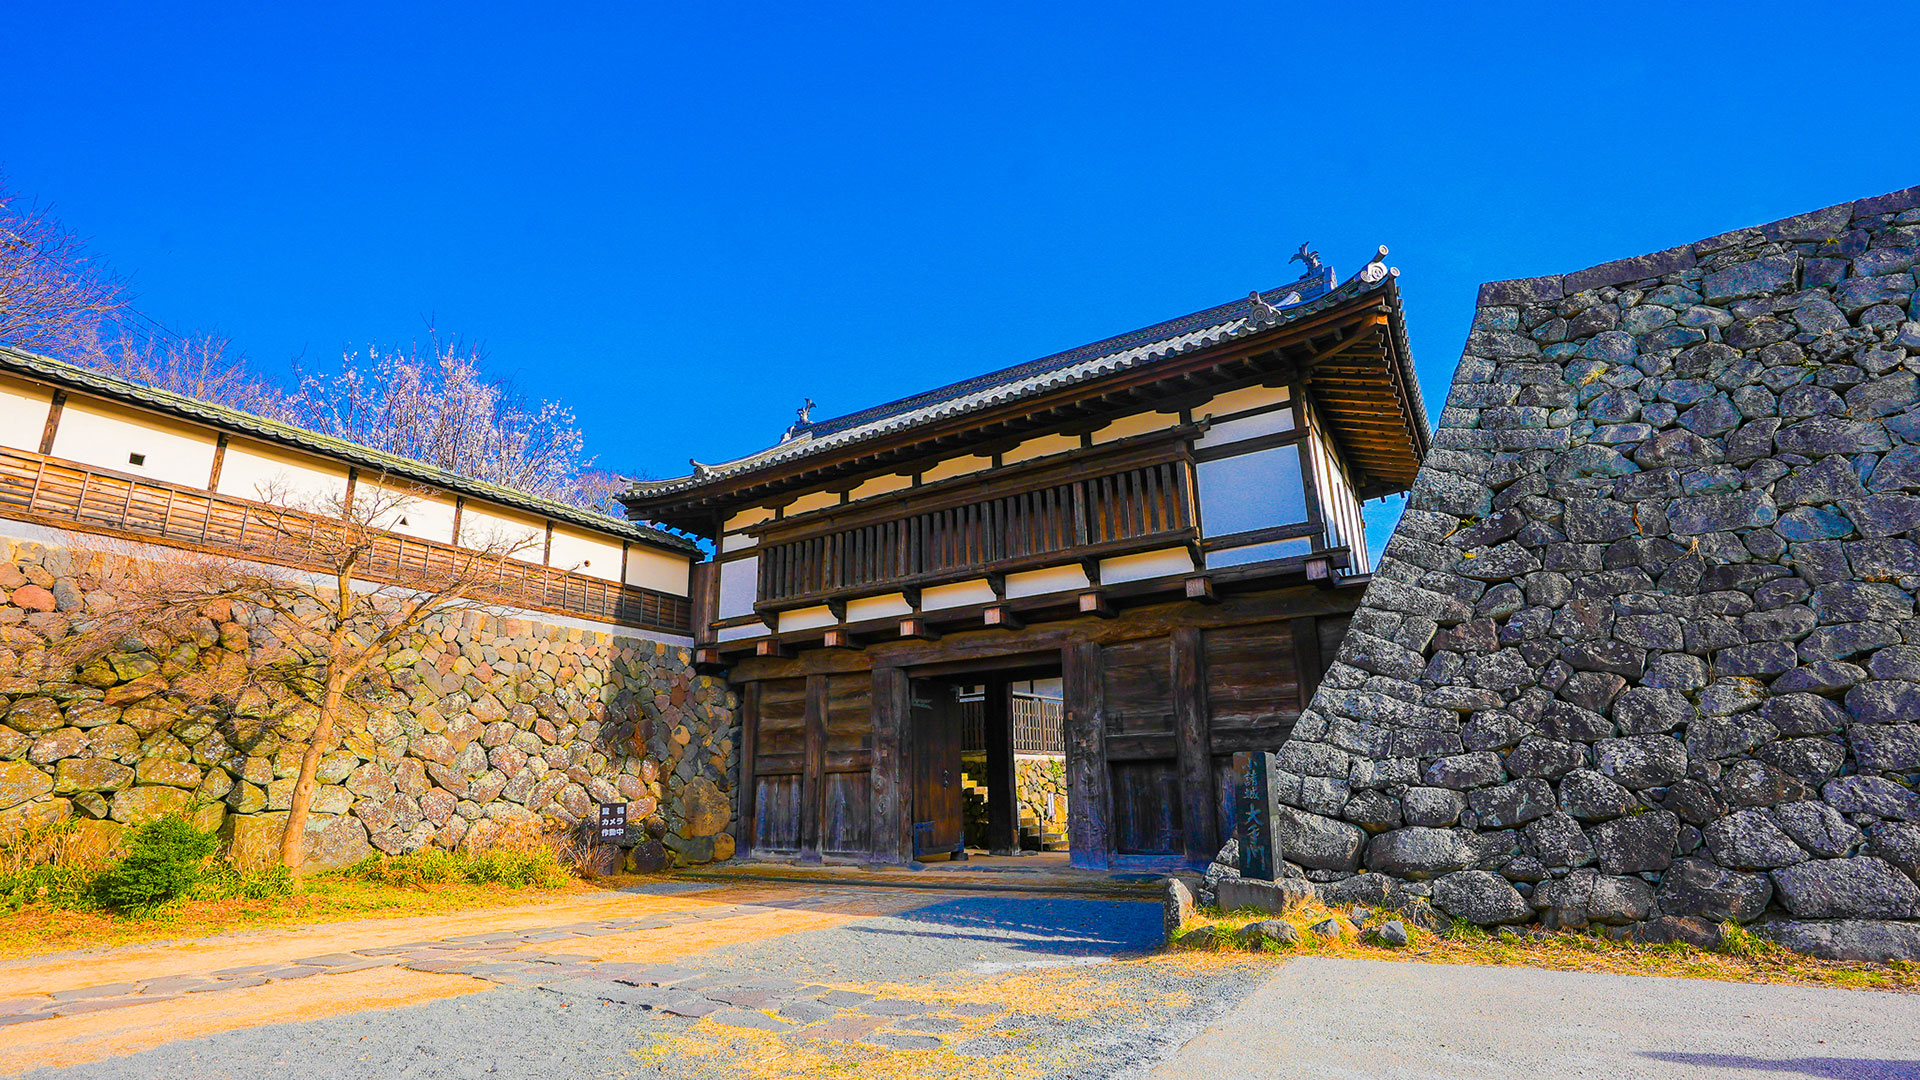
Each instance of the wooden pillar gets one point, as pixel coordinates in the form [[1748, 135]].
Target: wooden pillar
[[52, 427], [1193, 745], [1089, 817], [219, 462], [813, 770], [1003, 799], [747, 834], [890, 802]]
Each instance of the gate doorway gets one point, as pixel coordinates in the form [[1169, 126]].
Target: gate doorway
[[988, 764]]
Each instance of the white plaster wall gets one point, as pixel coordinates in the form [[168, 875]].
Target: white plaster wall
[[880, 485], [1050, 580], [959, 466], [425, 514], [661, 571], [890, 606], [750, 517], [1041, 447], [585, 553], [811, 501], [958, 594], [23, 414], [101, 434], [737, 542], [1138, 424], [807, 619], [1247, 427], [1146, 564], [739, 587], [1247, 397], [252, 470], [483, 523]]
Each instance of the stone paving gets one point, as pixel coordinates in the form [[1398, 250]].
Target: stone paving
[[509, 958]]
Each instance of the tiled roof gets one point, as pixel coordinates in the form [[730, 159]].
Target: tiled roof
[[1174, 337], [61, 373]]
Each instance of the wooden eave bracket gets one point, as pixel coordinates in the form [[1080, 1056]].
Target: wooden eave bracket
[[915, 628], [1094, 602], [1200, 590], [773, 649], [839, 637], [1002, 617]]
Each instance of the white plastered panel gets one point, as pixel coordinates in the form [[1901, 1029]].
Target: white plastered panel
[[1041, 447], [958, 594], [1138, 424], [586, 553], [661, 571], [484, 523], [959, 466], [23, 414], [107, 436], [1050, 580], [806, 619], [890, 606], [1147, 564], [256, 471]]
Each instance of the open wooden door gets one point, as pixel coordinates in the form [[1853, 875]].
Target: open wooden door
[[938, 826]]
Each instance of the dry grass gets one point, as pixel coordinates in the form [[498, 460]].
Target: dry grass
[[40, 929], [1744, 957]]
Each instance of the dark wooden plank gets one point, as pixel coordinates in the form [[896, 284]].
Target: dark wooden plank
[[813, 778], [1003, 803], [1192, 740], [749, 740], [1306, 656], [1147, 812], [1159, 745], [846, 818], [1084, 683], [777, 804], [890, 790]]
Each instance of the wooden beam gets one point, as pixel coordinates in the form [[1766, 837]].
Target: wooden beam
[[772, 648], [1193, 745], [1089, 839], [890, 780], [1200, 589], [813, 770], [915, 627], [839, 637], [1002, 617]]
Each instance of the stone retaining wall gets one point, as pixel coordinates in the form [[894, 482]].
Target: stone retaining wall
[[1643, 650], [489, 724]]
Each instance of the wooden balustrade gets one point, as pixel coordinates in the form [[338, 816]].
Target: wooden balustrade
[[62, 494], [1130, 509]]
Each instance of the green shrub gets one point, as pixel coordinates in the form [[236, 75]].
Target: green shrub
[[165, 859], [432, 866]]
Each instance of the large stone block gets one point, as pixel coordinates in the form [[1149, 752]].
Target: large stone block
[[1863, 887]]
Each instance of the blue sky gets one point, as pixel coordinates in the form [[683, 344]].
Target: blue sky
[[680, 221]]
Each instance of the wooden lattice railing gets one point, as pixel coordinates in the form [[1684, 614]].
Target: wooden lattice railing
[[1103, 514], [66, 495]]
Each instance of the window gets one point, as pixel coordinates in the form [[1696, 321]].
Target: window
[[1251, 471], [136, 459], [739, 586]]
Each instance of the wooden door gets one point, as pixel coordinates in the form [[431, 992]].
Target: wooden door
[[937, 740]]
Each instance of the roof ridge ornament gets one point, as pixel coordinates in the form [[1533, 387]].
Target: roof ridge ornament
[[803, 419], [1377, 268], [1310, 259]]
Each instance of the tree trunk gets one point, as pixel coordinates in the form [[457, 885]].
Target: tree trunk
[[293, 843]]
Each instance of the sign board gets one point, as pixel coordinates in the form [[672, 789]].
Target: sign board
[[613, 823], [1253, 814]]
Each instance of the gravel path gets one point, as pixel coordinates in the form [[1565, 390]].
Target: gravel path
[[555, 1012], [1350, 1019]]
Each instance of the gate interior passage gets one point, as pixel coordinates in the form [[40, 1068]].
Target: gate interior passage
[[947, 715]]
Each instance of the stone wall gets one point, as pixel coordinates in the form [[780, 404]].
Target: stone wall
[[1643, 650], [488, 723]]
